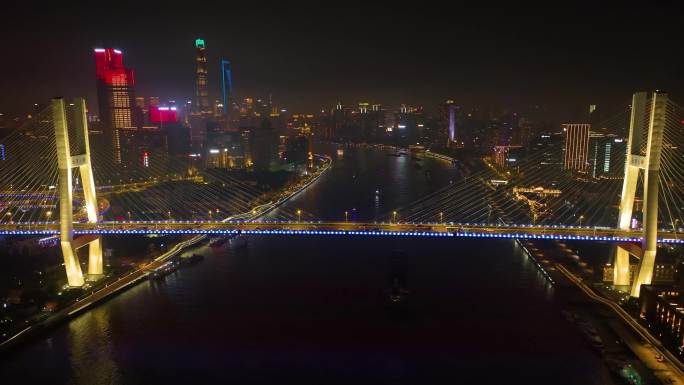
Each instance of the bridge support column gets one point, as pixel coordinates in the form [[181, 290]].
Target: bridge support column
[[629, 183], [649, 246], [621, 267], [66, 230], [66, 162], [88, 182], [95, 258], [621, 270]]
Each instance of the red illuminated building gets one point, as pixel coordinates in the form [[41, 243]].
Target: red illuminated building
[[115, 95], [162, 114], [115, 88]]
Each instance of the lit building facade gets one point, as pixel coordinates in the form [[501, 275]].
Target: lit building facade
[[607, 156], [226, 85], [116, 98], [451, 107], [202, 104], [231, 151], [163, 114], [576, 146], [662, 312]]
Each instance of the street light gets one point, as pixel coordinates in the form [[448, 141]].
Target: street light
[[580, 219], [346, 216], [394, 215], [441, 217], [299, 215]]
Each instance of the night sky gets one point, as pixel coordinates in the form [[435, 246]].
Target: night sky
[[310, 56]]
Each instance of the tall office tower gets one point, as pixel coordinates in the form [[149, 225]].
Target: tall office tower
[[202, 104], [226, 85], [115, 95], [448, 116], [607, 155], [576, 146], [452, 122]]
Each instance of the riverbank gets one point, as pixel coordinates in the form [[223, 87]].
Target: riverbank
[[95, 297], [132, 278]]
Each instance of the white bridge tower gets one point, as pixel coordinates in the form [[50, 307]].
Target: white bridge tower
[[66, 162], [634, 163]]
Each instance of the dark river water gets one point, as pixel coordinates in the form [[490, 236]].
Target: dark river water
[[308, 309]]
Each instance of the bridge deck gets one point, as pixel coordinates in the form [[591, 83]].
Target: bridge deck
[[340, 228]]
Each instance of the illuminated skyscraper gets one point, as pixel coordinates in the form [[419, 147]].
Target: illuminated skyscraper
[[115, 95], [449, 112], [576, 146], [202, 105], [452, 122], [226, 84], [606, 156], [115, 88]]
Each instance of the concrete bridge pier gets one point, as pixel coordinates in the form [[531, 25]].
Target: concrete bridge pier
[[66, 162], [634, 163]]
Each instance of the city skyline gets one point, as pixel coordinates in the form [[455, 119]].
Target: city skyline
[[509, 58]]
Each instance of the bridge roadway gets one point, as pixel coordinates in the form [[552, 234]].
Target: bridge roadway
[[343, 228]]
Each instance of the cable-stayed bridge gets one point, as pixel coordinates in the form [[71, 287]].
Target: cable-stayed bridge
[[51, 183]]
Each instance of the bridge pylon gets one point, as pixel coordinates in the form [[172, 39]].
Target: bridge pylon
[[66, 162], [650, 163]]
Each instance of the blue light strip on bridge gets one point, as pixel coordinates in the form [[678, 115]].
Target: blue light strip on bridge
[[341, 232]]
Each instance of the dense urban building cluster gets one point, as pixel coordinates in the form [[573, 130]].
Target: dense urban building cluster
[[135, 132]]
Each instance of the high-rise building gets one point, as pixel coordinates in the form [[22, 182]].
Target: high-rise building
[[115, 95], [226, 85], [452, 123], [202, 109], [202, 104], [607, 158], [576, 146], [448, 118], [115, 88]]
